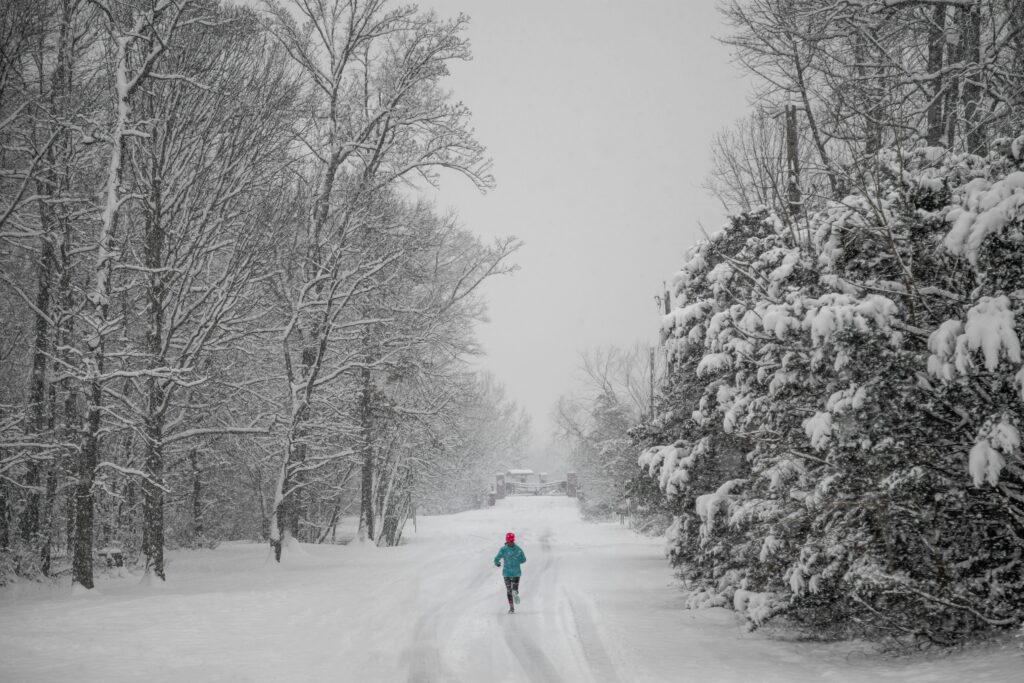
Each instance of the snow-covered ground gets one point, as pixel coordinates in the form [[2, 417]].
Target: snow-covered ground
[[599, 604]]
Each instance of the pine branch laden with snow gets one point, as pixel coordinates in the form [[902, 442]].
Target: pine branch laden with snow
[[990, 328], [757, 607], [985, 209], [671, 464], [710, 505], [996, 442]]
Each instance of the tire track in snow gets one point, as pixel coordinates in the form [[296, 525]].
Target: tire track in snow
[[424, 653], [595, 652], [424, 656], [579, 625], [535, 663]]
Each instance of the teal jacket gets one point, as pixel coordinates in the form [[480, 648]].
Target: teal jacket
[[513, 556]]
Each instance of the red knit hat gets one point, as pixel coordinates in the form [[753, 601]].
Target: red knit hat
[[510, 537]]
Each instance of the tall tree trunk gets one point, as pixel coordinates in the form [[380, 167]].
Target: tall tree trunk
[[64, 400], [37, 392], [285, 516], [794, 196], [152, 489], [49, 186], [974, 124], [5, 512], [71, 419], [395, 507], [293, 503], [88, 458], [132, 64], [366, 530], [156, 388], [387, 499], [49, 506], [1015, 17], [98, 303], [951, 101], [399, 509], [197, 491], [310, 359], [277, 514], [70, 513], [870, 90], [936, 52]]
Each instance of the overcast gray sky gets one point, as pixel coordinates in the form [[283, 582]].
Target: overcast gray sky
[[598, 115]]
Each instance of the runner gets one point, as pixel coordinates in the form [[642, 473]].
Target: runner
[[513, 556]]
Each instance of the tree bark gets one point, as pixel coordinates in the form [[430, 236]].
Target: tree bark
[[46, 536], [152, 485], [285, 521], [974, 125], [5, 525], [794, 197], [366, 521], [395, 510], [936, 53], [98, 302], [951, 101], [197, 490], [48, 186], [88, 458], [37, 394], [869, 88]]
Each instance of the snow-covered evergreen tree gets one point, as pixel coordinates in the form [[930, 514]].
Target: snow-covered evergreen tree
[[840, 431]]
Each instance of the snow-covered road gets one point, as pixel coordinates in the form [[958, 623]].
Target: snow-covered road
[[599, 604]]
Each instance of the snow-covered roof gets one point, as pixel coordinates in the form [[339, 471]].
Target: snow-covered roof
[[520, 471]]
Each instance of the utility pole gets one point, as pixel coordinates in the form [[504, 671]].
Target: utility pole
[[652, 382], [792, 162], [665, 304]]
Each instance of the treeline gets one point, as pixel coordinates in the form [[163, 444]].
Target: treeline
[[226, 314], [614, 389], [838, 436]]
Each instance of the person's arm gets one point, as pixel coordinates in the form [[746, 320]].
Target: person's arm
[[497, 558], [522, 556]]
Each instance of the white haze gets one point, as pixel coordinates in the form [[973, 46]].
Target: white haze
[[598, 117]]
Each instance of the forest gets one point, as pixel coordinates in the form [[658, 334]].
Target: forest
[[835, 439], [228, 312]]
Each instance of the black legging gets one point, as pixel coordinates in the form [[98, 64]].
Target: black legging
[[511, 584]]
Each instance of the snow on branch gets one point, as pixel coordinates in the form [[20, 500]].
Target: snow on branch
[[990, 328], [132, 472], [193, 433], [818, 428], [834, 312], [709, 505], [988, 456], [987, 210]]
